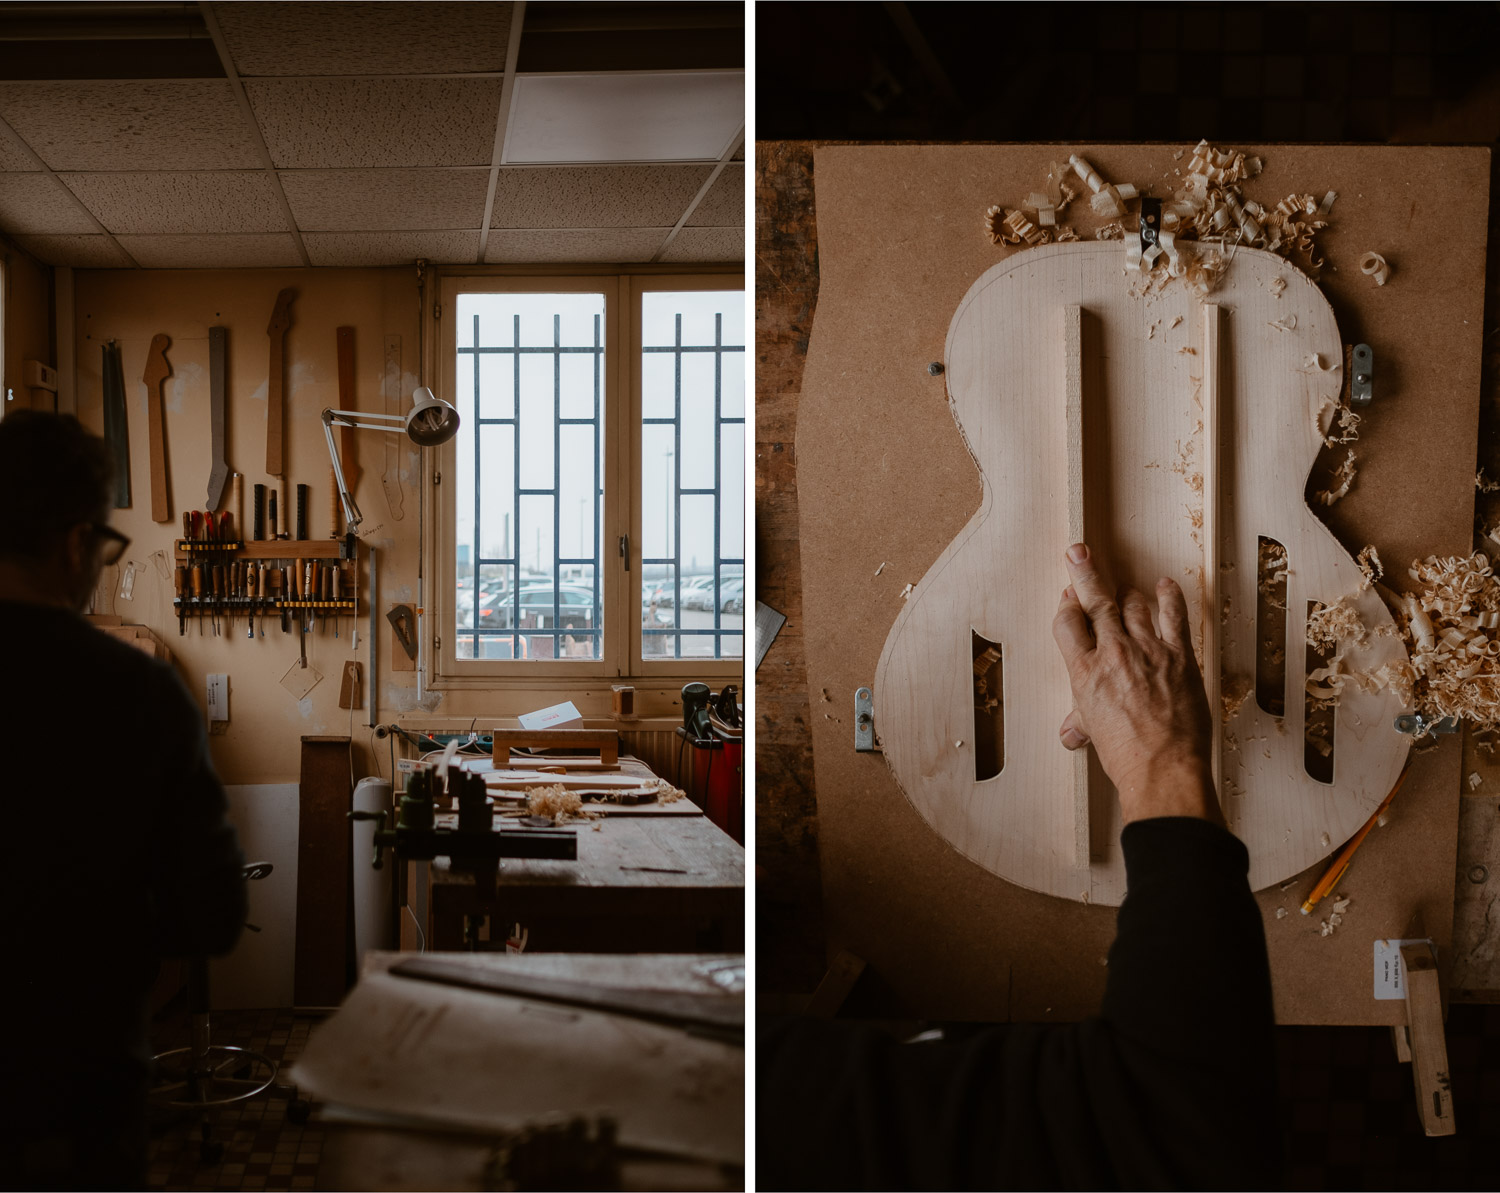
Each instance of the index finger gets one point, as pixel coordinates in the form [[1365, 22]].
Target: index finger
[[1092, 592]]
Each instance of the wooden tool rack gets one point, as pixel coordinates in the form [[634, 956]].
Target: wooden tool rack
[[286, 553]]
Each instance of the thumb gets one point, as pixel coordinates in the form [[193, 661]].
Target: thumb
[[1072, 732]]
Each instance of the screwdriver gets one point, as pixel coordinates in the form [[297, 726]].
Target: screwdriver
[[180, 584]]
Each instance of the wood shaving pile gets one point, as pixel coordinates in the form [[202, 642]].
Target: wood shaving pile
[[1328, 626], [558, 802], [1453, 625], [1274, 569], [1236, 690], [667, 794], [1370, 565]]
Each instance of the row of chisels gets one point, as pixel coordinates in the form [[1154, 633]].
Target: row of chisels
[[312, 590]]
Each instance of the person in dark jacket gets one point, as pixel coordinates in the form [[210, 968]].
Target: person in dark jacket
[[1172, 1085], [115, 846]]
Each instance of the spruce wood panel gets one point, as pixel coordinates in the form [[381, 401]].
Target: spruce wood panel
[[1079, 404]]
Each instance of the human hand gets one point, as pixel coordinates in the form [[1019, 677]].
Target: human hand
[[1138, 697]]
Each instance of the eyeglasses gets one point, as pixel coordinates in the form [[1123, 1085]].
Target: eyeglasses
[[114, 544]]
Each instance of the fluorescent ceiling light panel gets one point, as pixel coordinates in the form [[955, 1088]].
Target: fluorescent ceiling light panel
[[665, 117]]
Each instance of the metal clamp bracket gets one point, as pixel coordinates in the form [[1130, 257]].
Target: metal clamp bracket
[[1362, 376], [864, 721], [1416, 725]]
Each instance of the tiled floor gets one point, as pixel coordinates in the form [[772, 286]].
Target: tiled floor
[[262, 1148]]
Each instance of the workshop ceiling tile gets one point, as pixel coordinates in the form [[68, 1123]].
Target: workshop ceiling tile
[[13, 155], [707, 244], [81, 252], [385, 200], [222, 201], [245, 251], [724, 205], [377, 39], [595, 196], [625, 117], [331, 123], [391, 248], [132, 124], [561, 245], [39, 203]]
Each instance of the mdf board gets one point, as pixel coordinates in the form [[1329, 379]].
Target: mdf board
[[325, 924], [886, 478]]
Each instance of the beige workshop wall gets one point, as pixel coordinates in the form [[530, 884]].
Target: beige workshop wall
[[261, 743], [27, 304]]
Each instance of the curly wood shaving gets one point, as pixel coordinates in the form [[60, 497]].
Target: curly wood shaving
[[1345, 478], [1286, 323], [1348, 427], [1483, 485], [1174, 323], [1278, 287], [1107, 200], [994, 225], [1370, 565], [1110, 232], [1373, 265], [1021, 228], [1327, 204], [1064, 235], [1328, 626]]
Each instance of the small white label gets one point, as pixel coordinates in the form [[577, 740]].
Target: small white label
[[1390, 974], [555, 717], [218, 697], [127, 582], [405, 766]]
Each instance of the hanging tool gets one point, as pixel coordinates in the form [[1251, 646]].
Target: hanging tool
[[348, 450], [197, 585], [404, 624], [281, 319], [273, 513], [259, 513], [218, 473], [180, 586], [226, 527], [236, 503], [116, 430], [286, 595], [391, 391], [301, 513], [157, 371]]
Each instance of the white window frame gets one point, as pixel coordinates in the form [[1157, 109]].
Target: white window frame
[[620, 447]]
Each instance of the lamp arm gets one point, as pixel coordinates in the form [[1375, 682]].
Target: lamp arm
[[351, 511], [366, 420]]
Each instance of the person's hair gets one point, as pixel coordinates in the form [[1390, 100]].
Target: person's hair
[[53, 476]]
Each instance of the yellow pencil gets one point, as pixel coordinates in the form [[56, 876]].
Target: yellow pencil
[[1340, 865]]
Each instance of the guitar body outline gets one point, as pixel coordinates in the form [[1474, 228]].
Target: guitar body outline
[[1002, 574]]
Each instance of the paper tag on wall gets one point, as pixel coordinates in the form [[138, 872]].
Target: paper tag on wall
[[559, 716], [127, 582], [1390, 974]]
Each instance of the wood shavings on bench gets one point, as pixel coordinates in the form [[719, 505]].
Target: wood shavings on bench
[[1343, 478]]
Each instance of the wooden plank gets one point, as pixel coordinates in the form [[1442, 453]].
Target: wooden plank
[[1211, 531], [325, 923], [1072, 400], [1429, 1048], [157, 371], [606, 741], [348, 441]]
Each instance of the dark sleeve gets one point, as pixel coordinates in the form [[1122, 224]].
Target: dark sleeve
[[1172, 1086], [198, 898]]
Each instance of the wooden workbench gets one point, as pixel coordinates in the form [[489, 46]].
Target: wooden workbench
[[641, 884], [786, 806], [357, 1156]]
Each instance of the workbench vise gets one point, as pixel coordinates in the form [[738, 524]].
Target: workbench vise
[[475, 845]]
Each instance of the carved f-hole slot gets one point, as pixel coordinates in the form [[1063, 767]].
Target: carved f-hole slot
[[1317, 735], [989, 708], [1270, 627]]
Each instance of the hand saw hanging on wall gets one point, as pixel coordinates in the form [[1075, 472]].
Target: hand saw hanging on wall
[[116, 428]]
